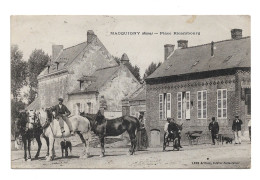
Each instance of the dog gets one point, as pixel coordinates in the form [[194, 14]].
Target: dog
[[65, 145], [224, 138], [227, 139]]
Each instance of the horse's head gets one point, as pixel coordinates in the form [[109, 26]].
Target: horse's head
[[32, 120], [45, 115]]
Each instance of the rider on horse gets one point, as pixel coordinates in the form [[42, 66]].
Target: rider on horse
[[62, 113], [173, 126]]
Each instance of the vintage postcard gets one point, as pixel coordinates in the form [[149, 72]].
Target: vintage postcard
[[131, 92]]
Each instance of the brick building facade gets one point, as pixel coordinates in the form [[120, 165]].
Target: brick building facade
[[197, 83]]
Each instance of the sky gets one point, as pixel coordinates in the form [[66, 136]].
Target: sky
[[41, 32]]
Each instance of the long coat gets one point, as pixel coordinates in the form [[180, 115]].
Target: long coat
[[237, 125], [214, 127]]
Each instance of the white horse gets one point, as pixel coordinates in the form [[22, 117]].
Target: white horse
[[80, 125]]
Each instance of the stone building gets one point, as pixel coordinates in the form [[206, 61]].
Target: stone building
[[84, 75], [196, 83]]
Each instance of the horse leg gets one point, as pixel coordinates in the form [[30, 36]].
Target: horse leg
[[38, 139], [48, 145], [25, 147], [86, 145], [29, 149], [51, 144], [102, 144], [133, 142]]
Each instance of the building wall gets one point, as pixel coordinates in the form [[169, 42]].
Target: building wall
[[89, 60], [51, 88], [211, 85], [114, 90], [119, 86]]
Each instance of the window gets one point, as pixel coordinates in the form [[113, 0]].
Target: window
[[179, 105], [183, 105], [202, 104], [187, 94], [160, 106], [164, 106], [222, 103]]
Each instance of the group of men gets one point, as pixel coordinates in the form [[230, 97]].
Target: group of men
[[214, 128], [236, 128]]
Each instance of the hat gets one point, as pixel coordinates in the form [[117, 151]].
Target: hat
[[213, 118], [60, 99]]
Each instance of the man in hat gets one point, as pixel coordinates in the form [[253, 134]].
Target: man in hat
[[214, 129], [62, 113], [236, 128]]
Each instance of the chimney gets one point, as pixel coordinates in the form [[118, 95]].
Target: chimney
[[56, 49], [212, 48], [124, 59], [182, 44], [168, 49], [236, 34], [90, 36]]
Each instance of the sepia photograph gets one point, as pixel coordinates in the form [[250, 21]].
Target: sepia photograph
[[130, 92]]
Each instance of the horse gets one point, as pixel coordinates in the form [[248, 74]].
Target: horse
[[27, 127], [52, 130], [174, 135], [113, 127]]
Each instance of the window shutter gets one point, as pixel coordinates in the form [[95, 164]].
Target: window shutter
[[199, 98], [168, 105], [188, 105], [179, 105], [160, 106]]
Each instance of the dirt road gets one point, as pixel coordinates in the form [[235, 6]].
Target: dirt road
[[197, 156]]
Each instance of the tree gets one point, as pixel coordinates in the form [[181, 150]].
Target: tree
[[18, 71], [16, 107], [151, 68], [135, 70], [36, 63]]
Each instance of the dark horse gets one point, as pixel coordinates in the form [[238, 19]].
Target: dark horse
[[28, 127], [174, 135], [113, 127]]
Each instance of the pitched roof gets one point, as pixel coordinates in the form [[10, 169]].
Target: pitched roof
[[227, 54], [68, 55], [101, 76], [139, 94], [34, 105]]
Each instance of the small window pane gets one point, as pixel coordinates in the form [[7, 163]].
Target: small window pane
[[204, 95], [219, 103], [204, 113], [219, 94], [224, 93], [204, 105], [219, 112], [224, 103], [224, 112], [199, 104], [199, 95]]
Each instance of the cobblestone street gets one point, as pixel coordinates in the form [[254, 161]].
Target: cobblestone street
[[196, 156]]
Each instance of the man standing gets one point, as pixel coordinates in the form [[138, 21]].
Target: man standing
[[214, 129], [62, 114], [236, 128]]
